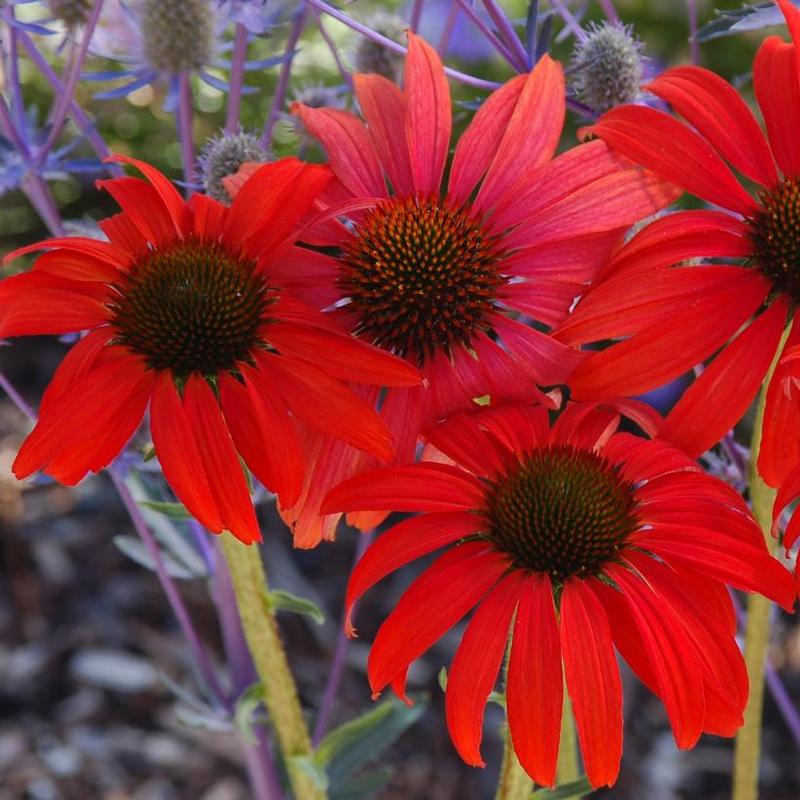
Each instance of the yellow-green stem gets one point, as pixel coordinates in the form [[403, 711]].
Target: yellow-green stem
[[747, 749], [263, 639], [568, 769], [514, 783]]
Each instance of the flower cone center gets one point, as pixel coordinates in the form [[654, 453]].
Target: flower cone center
[[776, 234], [191, 307], [561, 511], [421, 276]]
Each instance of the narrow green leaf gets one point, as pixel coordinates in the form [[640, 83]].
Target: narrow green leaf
[[363, 786], [566, 792], [361, 740], [316, 774], [281, 600], [171, 510], [246, 706], [136, 551]]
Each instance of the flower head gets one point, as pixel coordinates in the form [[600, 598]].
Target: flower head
[[185, 316], [372, 57], [672, 313], [589, 540], [607, 66], [446, 274], [224, 155]]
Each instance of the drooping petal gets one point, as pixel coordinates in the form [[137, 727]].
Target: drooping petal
[[264, 435], [695, 425], [476, 664], [384, 108], [401, 544], [35, 303], [593, 681], [428, 115], [788, 492], [94, 248], [433, 604], [141, 204], [534, 693], [413, 487], [77, 267], [778, 93], [674, 152], [714, 108]]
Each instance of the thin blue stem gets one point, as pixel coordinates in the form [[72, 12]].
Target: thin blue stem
[[17, 399], [569, 20], [17, 102], [508, 34], [609, 10], [184, 123], [447, 30], [469, 80], [416, 15], [282, 86], [62, 104], [339, 656], [346, 76], [488, 33], [691, 7], [38, 192], [9, 129], [237, 78]]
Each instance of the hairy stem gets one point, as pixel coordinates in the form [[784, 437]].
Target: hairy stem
[[514, 783], [263, 638]]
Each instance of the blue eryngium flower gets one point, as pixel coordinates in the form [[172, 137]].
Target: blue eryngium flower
[[157, 40], [8, 16], [257, 16]]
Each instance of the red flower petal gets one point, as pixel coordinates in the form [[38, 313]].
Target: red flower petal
[[35, 303], [433, 604], [413, 487], [141, 204], [428, 115], [593, 681], [384, 108], [674, 152], [716, 110], [694, 425], [531, 134], [401, 544], [264, 434], [535, 691], [77, 267], [476, 664], [94, 248], [775, 79], [348, 146]]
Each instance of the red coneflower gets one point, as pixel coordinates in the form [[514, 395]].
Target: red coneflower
[[587, 539], [676, 315], [439, 272], [184, 315]]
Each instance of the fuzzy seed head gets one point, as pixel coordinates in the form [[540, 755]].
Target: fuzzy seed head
[[421, 276], [223, 155], [607, 67], [371, 57], [178, 35], [775, 232], [562, 511], [71, 12]]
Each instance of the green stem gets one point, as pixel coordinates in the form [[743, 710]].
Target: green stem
[[514, 783], [747, 749], [568, 769], [280, 691]]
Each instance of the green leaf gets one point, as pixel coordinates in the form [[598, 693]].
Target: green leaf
[[246, 706], [565, 792], [136, 551], [361, 740], [281, 600], [308, 766], [364, 785], [442, 677], [171, 510]]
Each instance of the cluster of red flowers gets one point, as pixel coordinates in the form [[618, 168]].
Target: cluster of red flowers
[[334, 318]]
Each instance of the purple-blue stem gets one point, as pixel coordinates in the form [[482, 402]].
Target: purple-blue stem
[[508, 34], [416, 15], [469, 80], [237, 78], [608, 9], [447, 30], [777, 690], [17, 103], [339, 656], [691, 8], [201, 657], [38, 192], [733, 453], [10, 130], [62, 104], [264, 778], [17, 399], [569, 20], [326, 37], [184, 124], [488, 33], [282, 86], [79, 116]]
